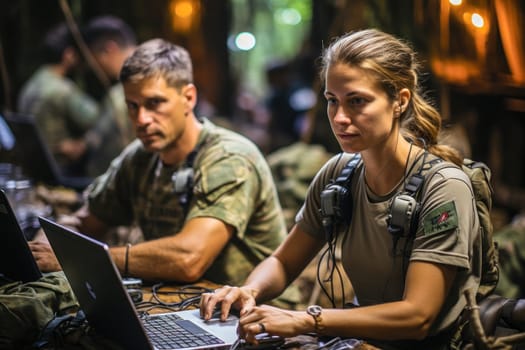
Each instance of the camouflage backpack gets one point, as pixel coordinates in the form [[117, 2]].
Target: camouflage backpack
[[26, 308], [480, 175]]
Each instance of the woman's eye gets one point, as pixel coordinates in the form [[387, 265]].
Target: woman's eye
[[357, 101], [331, 101]]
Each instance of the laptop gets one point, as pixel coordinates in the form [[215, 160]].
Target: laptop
[[97, 284], [16, 260], [32, 153]]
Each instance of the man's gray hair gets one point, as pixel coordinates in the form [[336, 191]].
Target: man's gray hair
[[159, 58]]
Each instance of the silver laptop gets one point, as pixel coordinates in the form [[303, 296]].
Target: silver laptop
[[98, 287], [16, 260]]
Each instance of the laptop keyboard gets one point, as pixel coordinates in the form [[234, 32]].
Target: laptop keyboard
[[170, 331]]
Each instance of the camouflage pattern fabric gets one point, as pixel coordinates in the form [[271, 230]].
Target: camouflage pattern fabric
[[60, 108], [112, 132], [233, 183], [26, 308], [511, 250], [293, 168]]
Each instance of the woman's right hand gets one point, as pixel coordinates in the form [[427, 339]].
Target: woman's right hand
[[241, 298]]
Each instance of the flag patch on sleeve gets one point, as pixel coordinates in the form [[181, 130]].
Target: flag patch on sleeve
[[441, 219]]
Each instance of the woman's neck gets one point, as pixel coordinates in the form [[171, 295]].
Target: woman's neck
[[385, 168]]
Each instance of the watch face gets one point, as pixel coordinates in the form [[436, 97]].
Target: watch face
[[314, 310]]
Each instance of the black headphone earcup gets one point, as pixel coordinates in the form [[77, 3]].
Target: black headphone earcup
[[182, 180], [336, 202], [403, 214]]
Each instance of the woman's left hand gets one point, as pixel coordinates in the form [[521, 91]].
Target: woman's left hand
[[274, 321]]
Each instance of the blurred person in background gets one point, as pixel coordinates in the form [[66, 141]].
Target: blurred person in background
[[63, 112], [110, 41]]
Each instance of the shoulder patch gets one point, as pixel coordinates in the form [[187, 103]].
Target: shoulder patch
[[443, 218]]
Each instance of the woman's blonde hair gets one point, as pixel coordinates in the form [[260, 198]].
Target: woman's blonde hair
[[395, 65]]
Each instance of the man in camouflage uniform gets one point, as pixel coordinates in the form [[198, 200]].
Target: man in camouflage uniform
[[110, 41], [62, 111], [203, 195]]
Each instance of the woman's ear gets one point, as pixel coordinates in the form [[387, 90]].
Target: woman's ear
[[404, 97]]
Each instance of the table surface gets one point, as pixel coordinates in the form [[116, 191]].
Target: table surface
[[166, 297]]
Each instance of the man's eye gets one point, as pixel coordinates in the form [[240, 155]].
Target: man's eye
[[152, 104], [132, 107]]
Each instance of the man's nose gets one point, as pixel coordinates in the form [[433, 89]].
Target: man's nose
[[143, 116]]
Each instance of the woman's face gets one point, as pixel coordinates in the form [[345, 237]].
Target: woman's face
[[361, 114]]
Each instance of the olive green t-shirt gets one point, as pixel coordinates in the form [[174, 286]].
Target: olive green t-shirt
[[232, 183], [60, 108], [447, 233]]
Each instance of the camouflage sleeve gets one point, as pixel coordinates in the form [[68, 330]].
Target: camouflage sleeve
[[105, 197], [81, 108], [226, 190]]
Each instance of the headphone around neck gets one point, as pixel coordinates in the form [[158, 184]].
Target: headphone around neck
[[337, 202], [183, 179]]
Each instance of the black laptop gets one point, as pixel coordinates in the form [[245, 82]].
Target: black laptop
[[16, 260], [32, 153], [98, 287]]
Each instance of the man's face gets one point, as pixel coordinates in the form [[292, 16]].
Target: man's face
[[158, 111]]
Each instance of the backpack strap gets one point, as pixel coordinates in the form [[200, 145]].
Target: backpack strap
[[55, 330], [404, 208]]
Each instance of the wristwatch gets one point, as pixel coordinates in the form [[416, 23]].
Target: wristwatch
[[315, 311]]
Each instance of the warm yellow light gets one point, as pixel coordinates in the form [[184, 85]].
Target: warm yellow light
[[183, 9], [477, 20], [455, 2], [184, 15]]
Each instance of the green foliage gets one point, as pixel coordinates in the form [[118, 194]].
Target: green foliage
[[279, 26]]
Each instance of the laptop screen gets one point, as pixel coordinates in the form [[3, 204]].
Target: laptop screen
[[16, 260], [97, 284]]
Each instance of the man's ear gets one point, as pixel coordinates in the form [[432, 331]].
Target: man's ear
[[70, 56], [189, 91]]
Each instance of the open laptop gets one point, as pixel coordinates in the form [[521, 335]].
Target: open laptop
[[16, 260], [32, 153], [98, 287]]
